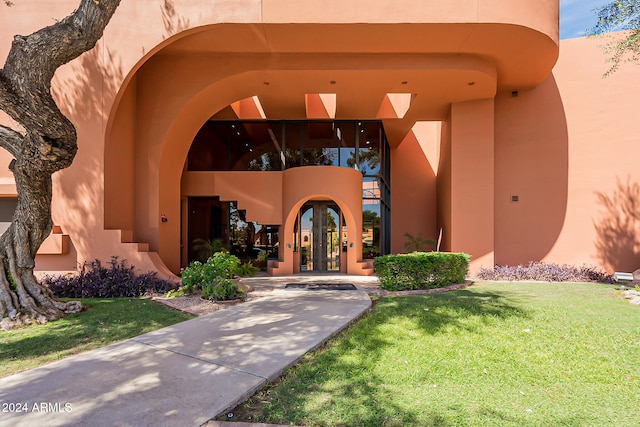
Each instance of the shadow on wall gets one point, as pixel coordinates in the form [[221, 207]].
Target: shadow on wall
[[82, 90], [172, 21], [531, 166], [120, 149], [618, 228], [414, 209]]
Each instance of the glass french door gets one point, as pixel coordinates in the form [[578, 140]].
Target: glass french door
[[320, 242]]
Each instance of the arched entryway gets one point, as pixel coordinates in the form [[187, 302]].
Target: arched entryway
[[308, 173], [321, 236], [153, 126]]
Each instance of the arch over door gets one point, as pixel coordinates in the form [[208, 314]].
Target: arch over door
[[321, 238]]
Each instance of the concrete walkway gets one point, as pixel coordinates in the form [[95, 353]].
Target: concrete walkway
[[188, 373]]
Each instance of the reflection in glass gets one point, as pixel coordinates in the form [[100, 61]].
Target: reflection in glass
[[370, 228], [319, 146], [221, 225], [369, 152], [317, 157], [332, 239], [370, 188], [262, 145], [320, 237], [266, 162], [278, 145], [306, 238], [345, 135], [249, 239]]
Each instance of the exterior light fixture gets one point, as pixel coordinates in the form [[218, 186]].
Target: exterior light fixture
[[621, 277]]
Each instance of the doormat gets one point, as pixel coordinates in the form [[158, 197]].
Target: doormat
[[322, 286]]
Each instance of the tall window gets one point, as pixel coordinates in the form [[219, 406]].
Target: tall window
[[214, 225]]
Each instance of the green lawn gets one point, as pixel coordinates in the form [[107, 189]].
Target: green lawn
[[494, 354], [106, 321]]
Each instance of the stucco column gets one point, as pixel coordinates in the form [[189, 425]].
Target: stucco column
[[471, 222]]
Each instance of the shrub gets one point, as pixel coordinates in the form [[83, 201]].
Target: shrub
[[248, 269], [546, 272], [262, 256], [214, 278], [114, 280], [421, 270], [222, 290]]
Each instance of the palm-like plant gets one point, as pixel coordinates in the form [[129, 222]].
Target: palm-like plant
[[206, 248], [418, 243]]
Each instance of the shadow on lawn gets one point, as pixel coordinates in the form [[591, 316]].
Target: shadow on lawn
[[105, 321], [346, 382], [463, 309]]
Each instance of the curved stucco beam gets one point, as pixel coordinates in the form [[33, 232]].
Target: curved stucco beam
[[520, 56], [180, 121], [196, 91], [161, 183], [539, 15], [521, 33], [523, 55]]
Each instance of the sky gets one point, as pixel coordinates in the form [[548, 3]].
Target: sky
[[576, 16]]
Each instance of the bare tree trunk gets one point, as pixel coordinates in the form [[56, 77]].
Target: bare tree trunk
[[47, 144]]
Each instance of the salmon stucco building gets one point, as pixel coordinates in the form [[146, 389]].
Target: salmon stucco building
[[318, 134]]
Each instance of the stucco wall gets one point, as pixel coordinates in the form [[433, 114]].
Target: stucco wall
[[531, 164], [569, 149], [603, 143], [472, 181], [567, 145], [413, 177]]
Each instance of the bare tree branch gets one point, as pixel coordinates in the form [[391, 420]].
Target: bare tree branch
[[60, 43], [10, 140], [32, 62]]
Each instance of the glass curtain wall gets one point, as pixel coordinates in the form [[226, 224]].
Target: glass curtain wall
[[279, 145], [373, 163]]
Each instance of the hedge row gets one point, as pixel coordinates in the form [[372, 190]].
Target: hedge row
[[421, 270]]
